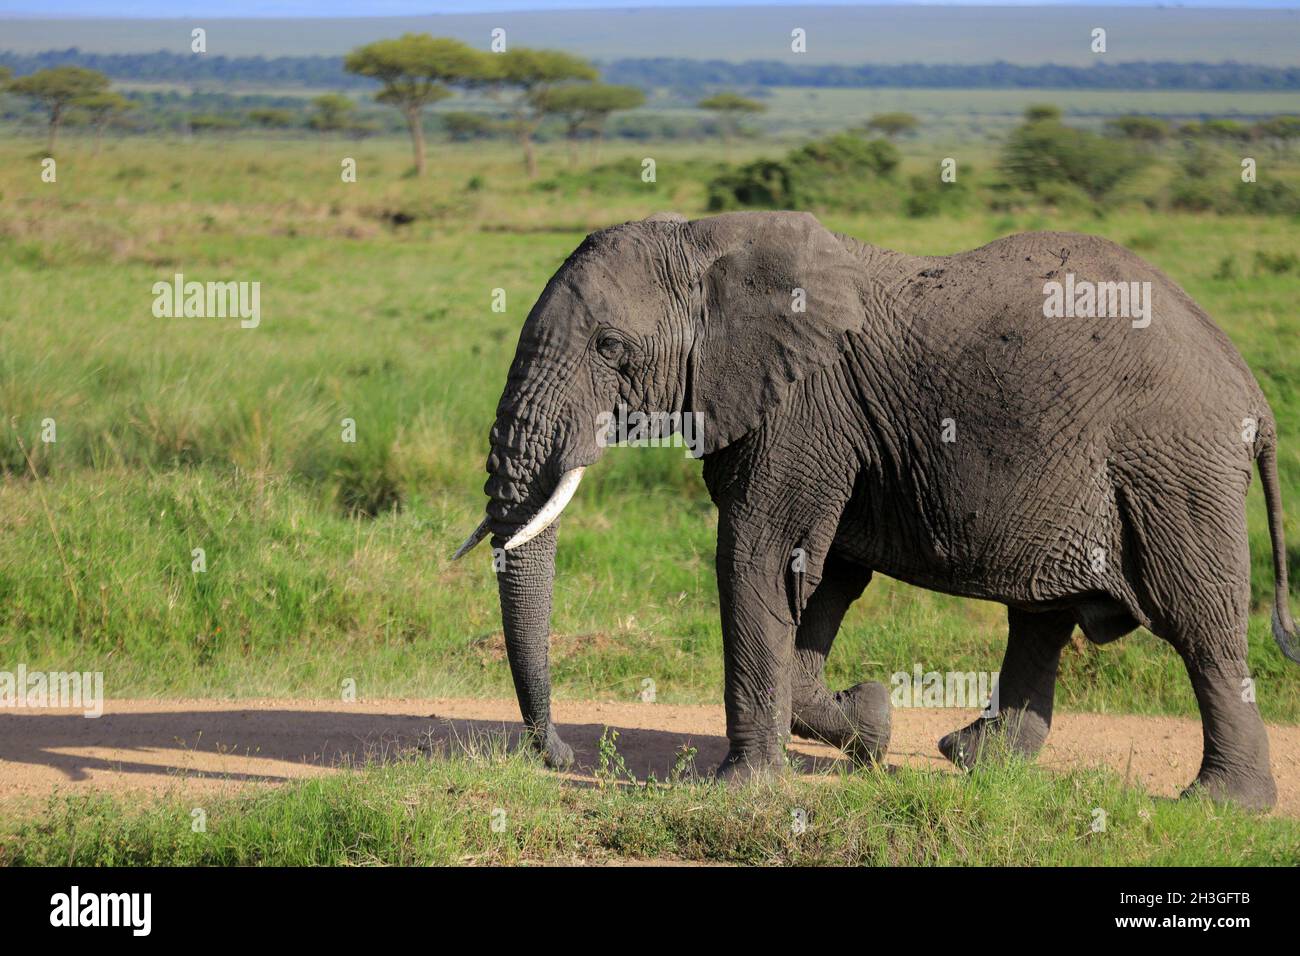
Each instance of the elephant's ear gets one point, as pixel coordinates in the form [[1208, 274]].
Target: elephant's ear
[[778, 294]]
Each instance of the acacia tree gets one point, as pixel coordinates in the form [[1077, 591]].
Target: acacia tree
[[729, 107], [102, 107], [587, 106], [1042, 113], [58, 88], [416, 70], [269, 117], [532, 74], [893, 124], [332, 112]]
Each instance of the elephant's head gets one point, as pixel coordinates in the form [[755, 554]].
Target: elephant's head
[[713, 318]]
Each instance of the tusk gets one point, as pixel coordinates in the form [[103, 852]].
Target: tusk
[[472, 541], [550, 511]]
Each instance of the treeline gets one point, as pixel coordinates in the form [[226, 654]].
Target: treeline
[[678, 73], [314, 72], [682, 74]]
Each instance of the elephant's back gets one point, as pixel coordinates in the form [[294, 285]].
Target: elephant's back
[[1023, 422], [1070, 320]]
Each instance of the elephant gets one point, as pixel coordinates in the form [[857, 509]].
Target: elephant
[[937, 419]]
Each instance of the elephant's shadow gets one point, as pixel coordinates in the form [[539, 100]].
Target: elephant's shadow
[[254, 745]]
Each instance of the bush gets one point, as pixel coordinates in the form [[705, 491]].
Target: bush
[[930, 196], [846, 154], [1200, 161], [1274, 197], [1045, 153], [841, 172], [1194, 194], [763, 184], [1276, 263], [1197, 194], [1146, 129]]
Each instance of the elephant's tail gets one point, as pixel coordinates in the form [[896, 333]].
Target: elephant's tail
[[1284, 629]]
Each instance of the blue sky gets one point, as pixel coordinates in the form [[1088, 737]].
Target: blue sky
[[376, 8]]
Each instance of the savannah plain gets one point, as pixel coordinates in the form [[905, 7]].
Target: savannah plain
[[329, 597]]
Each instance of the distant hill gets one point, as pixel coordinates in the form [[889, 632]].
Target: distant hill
[[836, 35]]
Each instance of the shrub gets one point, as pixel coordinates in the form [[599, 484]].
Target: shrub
[[1045, 152], [763, 184], [930, 196], [848, 154], [1274, 197], [1200, 161], [1276, 263], [1042, 113], [1147, 129], [1227, 268], [841, 172], [1194, 194], [1226, 130]]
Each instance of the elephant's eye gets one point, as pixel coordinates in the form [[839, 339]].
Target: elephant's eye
[[610, 347]]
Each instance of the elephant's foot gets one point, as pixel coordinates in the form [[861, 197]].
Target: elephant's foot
[[1247, 790], [738, 768], [1017, 732], [555, 753], [1234, 758], [858, 721], [870, 714]]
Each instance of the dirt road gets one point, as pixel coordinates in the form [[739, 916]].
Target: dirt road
[[201, 746]]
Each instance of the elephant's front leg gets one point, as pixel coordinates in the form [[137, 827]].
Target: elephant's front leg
[[758, 643], [769, 563], [856, 720]]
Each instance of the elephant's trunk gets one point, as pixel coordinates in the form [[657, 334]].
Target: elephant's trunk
[[519, 485], [524, 585]]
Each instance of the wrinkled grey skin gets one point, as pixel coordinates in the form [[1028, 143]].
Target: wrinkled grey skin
[[1097, 477]]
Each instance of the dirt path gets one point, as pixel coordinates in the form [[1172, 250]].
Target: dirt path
[[202, 746]]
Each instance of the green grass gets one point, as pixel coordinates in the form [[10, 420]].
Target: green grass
[[175, 434], [415, 811]]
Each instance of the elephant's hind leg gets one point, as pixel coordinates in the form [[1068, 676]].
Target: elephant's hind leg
[[1210, 636], [1196, 587], [1026, 688], [856, 720], [1234, 761]]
